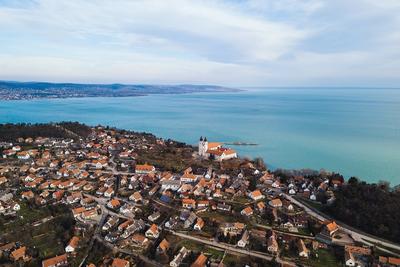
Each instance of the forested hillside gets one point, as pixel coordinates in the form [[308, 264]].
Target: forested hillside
[[373, 208], [10, 132]]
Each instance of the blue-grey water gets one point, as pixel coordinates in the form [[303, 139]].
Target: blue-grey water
[[352, 131]]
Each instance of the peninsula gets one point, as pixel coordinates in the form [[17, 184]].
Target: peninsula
[[75, 195], [10, 90]]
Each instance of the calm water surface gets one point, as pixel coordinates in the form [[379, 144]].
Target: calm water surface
[[352, 131]]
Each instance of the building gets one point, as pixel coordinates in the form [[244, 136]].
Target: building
[[144, 168], [56, 261], [272, 245], [114, 204], [244, 240], [188, 203], [176, 262], [331, 227], [163, 246], [152, 232], [215, 150], [199, 224], [256, 195], [19, 254], [137, 197], [200, 261], [248, 211], [349, 258], [275, 203], [117, 262], [72, 245], [303, 250]]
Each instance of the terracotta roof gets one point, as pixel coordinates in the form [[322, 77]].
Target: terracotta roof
[[261, 205], [139, 238], [114, 202], [78, 211], [256, 193], [247, 210], [74, 242], [164, 244], [117, 262], [153, 228], [332, 226], [276, 202], [18, 253], [188, 201], [212, 145], [188, 176], [55, 260], [200, 222], [395, 261], [239, 225], [200, 261], [144, 167]]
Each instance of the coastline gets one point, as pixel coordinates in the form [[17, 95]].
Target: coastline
[[292, 131], [45, 90]]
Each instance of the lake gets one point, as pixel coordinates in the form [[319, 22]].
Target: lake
[[353, 131]]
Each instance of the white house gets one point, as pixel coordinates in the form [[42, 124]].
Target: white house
[[244, 240], [349, 259], [183, 252], [72, 245], [152, 232]]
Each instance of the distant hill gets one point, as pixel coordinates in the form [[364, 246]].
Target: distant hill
[[10, 90]]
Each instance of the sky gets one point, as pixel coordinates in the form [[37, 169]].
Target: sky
[[231, 43]]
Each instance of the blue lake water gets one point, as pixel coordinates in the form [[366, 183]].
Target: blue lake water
[[352, 131]]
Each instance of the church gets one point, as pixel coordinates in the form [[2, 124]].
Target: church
[[214, 150]]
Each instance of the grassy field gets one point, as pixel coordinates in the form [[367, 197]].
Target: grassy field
[[47, 239], [325, 259], [220, 216]]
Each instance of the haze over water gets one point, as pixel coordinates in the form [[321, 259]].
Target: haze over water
[[352, 131]]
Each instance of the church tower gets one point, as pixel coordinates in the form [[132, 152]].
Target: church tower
[[203, 146]]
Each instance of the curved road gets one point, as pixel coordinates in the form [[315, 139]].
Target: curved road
[[232, 248], [356, 235]]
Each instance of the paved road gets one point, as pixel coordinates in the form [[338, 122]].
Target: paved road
[[283, 232], [356, 235], [232, 248]]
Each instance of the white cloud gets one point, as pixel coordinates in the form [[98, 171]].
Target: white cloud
[[249, 42]]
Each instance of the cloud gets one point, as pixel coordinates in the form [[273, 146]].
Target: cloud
[[249, 42]]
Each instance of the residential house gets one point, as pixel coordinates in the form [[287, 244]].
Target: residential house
[[56, 261], [200, 261], [163, 246], [248, 211], [109, 192], [224, 207], [189, 178], [178, 258], [275, 203], [139, 240], [152, 232], [72, 245], [137, 197], [117, 262], [303, 250], [188, 203], [199, 224], [256, 195], [114, 204], [154, 216], [19, 254], [244, 240], [144, 169], [190, 220], [272, 244]]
